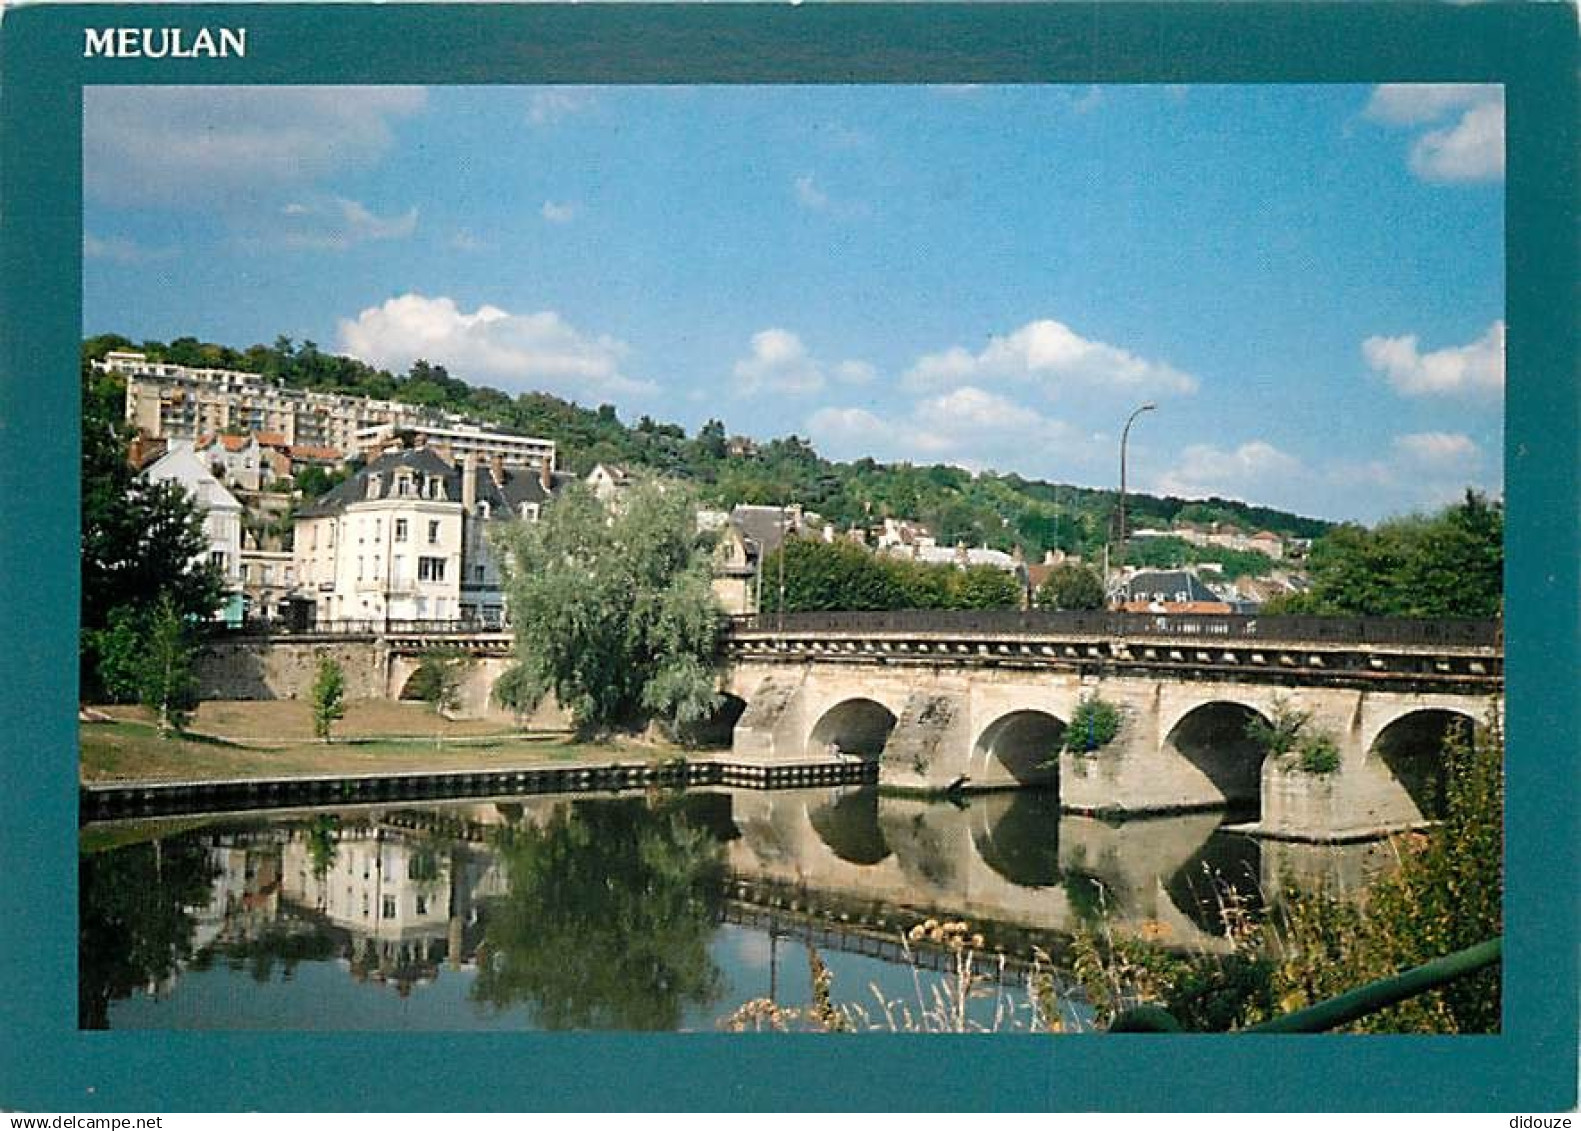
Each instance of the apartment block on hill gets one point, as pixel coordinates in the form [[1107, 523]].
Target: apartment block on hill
[[187, 402]]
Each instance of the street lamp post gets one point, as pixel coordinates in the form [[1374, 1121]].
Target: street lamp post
[[1125, 435]]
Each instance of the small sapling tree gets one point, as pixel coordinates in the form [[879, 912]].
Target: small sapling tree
[[329, 697]]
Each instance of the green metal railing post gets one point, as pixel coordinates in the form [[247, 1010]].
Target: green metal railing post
[[1347, 1007], [1378, 995]]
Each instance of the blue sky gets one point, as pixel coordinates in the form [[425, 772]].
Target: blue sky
[[1308, 281]]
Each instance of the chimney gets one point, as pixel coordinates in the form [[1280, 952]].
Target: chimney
[[469, 483], [497, 470], [546, 474]]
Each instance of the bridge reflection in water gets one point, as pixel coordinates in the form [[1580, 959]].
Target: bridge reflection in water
[[514, 903]]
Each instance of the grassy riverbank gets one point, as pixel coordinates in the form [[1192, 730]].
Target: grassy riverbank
[[273, 739]]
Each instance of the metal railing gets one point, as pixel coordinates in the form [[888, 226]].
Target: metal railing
[[1226, 627], [453, 627], [1347, 1007]]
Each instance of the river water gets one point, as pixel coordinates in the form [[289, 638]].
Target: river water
[[656, 912]]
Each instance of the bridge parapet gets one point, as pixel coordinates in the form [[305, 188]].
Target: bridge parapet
[[1358, 652]]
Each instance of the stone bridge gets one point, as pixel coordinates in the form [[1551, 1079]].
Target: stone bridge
[[981, 701], [976, 701]]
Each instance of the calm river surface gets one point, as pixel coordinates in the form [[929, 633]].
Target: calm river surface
[[660, 912]]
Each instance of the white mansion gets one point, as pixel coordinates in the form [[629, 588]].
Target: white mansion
[[405, 537]]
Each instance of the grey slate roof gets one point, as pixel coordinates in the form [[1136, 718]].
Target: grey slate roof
[[1166, 585], [519, 485], [763, 527]]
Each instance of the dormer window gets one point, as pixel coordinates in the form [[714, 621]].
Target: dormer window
[[483, 508], [373, 486]]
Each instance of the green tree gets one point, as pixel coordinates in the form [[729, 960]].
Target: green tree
[[146, 656], [1071, 587], [1448, 565], [613, 610], [830, 576], [141, 542], [984, 587], [328, 697], [167, 684]]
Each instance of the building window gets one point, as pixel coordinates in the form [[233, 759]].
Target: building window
[[430, 569], [478, 573], [400, 530], [433, 531], [422, 905], [217, 559], [389, 907]]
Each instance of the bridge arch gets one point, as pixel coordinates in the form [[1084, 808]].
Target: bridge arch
[[853, 726], [716, 729], [1410, 748], [1016, 833], [848, 825], [1020, 747], [1212, 738]]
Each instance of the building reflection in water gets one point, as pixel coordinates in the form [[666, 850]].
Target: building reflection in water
[[597, 913]]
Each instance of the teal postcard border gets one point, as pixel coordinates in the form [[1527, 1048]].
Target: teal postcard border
[[47, 1064]]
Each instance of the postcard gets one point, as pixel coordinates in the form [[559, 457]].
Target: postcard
[[628, 553]]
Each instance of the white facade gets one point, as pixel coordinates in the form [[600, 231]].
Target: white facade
[[222, 514], [395, 558], [461, 440]]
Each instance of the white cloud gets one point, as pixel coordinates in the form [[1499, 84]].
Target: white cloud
[[1477, 367], [336, 224], [559, 213], [465, 240], [1469, 148], [118, 249], [550, 107], [1412, 104], [809, 195], [1053, 354], [1255, 470], [779, 362], [814, 198], [967, 425], [1438, 449], [519, 352], [178, 146], [855, 373]]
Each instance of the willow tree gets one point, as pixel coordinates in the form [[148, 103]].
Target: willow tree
[[613, 610]]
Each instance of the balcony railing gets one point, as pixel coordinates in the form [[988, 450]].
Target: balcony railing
[[1227, 627]]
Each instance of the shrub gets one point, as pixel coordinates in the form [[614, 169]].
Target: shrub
[[1093, 725], [1319, 754]]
